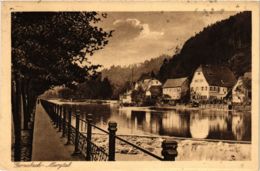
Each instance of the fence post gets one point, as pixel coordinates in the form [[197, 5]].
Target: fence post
[[64, 122], [53, 113], [76, 149], [57, 116], [60, 118], [112, 128], [50, 110], [89, 133], [69, 126], [169, 151]]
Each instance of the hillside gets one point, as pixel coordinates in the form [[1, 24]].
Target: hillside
[[119, 76], [227, 42]]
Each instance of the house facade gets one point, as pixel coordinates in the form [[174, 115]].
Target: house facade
[[176, 88], [211, 82], [241, 92]]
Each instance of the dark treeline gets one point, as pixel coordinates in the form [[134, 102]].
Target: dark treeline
[[91, 89], [121, 77], [227, 42]]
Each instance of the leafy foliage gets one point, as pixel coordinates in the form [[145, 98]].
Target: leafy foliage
[[49, 49], [52, 46]]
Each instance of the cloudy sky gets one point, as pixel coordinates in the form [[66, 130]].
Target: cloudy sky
[[139, 36]]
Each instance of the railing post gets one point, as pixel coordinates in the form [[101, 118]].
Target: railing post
[[51, 112], [112, 128], [57, 116], [60, 118], [76, 149], [69, 126], [64, 122], [89, 134], [169, 150]]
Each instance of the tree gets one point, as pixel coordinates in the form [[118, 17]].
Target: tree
[[107, 90], [227, 42], [49, 49]]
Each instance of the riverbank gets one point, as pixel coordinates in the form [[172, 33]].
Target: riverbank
[[188, 149], [215, 107]]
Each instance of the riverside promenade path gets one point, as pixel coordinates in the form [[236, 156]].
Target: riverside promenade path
[[47, 142]]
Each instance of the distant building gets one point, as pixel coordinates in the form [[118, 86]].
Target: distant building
[[241, 92], [211, 82], [176, 88], [148, 83], [150, 86], [126, 98]]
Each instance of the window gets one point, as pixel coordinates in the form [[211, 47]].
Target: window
[[206, 88], [211, 88], [202, 88], [198, 73]]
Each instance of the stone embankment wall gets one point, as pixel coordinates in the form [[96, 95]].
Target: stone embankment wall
[[187, 149]]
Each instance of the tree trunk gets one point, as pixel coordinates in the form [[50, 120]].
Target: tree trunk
[[16, 106], [26, 113]]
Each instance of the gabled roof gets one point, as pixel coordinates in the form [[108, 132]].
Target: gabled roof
[[176, 82], [218, 75]]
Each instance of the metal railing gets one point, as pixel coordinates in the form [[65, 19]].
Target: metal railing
[[61, 115]]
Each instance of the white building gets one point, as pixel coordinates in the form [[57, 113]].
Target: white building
[[211, 81]]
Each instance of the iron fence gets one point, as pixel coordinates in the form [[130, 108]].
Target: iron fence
[[61, 116]]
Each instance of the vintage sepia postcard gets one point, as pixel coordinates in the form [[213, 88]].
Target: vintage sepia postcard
[[129, 85]]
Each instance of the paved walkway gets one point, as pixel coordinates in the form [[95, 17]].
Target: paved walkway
[[47, 144]]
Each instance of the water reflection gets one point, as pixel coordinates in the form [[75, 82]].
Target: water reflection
[[199, 125], [181, 123], [240, 125], [176, 124]]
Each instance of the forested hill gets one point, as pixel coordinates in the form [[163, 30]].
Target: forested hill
[[119, 76], [227, 42]]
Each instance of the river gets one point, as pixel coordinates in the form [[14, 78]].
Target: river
[[203, 124]]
